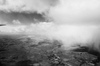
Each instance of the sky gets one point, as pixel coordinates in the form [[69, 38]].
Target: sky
[[71, 21], [76, 11], [60, 11]]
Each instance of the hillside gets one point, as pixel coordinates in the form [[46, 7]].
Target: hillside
[[25, 51]]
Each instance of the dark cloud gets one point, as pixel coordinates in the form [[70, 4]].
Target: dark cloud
[[24, 18], [2, 2]]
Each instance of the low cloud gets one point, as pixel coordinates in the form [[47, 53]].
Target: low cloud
[[71, 36], [16, 22]]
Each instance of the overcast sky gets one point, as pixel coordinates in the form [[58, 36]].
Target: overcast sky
[[76, 11], [60, 11]]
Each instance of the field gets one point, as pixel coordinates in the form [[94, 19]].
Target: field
[[24, 51]]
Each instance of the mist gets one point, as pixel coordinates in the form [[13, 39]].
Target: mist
[[75, 23], [72, 36]]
